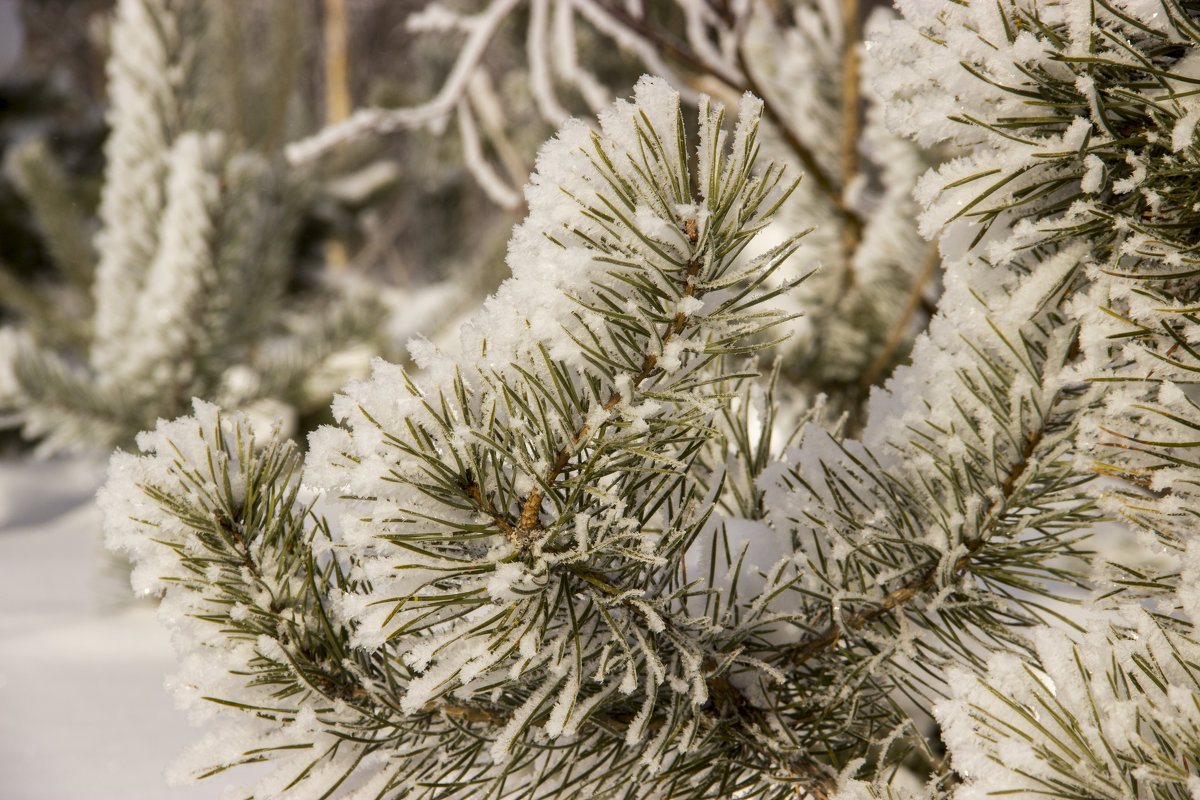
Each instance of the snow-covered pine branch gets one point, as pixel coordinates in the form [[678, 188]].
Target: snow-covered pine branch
[[1109, 711], [1077, 121], [573, 562], [505, 594], [154, 74], [1080, 119], [950, 529], [1081, 128]]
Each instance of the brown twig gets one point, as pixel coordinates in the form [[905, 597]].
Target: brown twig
[[916, 294], [465, 713], [233, 535], [850, 133], [488, 506]]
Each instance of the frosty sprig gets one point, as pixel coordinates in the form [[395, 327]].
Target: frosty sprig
[[1082, 119], [506, 593], [1080, 124], [1111, 712], [943, 533]]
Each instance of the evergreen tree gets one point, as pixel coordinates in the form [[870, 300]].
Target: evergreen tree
[[197, 235]]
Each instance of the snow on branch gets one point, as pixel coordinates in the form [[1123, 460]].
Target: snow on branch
[[1062, 150]]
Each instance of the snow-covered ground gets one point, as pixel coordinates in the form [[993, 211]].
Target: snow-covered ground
[[83, 711]]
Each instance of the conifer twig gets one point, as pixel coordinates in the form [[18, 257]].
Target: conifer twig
[[802, 651], [529, 522]]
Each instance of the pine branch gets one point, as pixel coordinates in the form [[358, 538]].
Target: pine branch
[[58, 404], [196, 237], [1077, 165], [1085, 158], [888, 549], [473, 623], [525, 531], [932, 578]]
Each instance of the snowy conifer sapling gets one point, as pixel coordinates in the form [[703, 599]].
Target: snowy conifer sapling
[[189, 293]]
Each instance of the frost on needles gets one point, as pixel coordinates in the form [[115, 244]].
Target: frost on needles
[[1078, 177], [491, 595]]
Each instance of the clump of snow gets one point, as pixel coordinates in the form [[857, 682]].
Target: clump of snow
[[1093, 176]]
